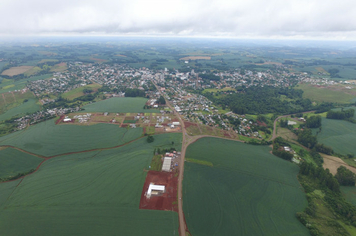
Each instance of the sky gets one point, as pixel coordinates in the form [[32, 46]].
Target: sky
[[271, 19]]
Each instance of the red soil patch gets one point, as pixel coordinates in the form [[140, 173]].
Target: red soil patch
[[261, 123], [165, 201], [60, 119], [188, 124], [124, 125], [226, 134]]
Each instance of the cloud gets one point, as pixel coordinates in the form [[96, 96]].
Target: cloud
[[253, 18]]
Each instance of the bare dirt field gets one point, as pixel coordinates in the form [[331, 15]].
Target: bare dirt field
[[168, 200], [188, 124], [332, 163], [195, 58], [16, 70]]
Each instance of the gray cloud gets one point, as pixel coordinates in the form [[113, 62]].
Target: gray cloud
[[253, 18]]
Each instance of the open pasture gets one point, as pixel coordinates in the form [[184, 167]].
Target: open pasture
[[8, 85], [16, 70], [324, 94], [120, 105], [59, 67], [13, 162], [48, 139], [247, 191], [77, 92], [93, 193], [30, 106], [338, 134]]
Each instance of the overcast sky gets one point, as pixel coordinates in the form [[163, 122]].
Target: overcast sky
[[297, 19]]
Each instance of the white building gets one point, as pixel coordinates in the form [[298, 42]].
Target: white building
[[167, 164], [155, 190]]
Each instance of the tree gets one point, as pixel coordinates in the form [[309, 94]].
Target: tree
[[150, 139], [345, 177], [161, 100], [313, 122]]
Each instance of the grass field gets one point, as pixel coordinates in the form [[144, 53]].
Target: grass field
[[77, 92], [350, 193], [48, 139], [324, 94], [338, 134], [16, 70], [122, 104], [248, 191], [13, 162], [11, 85], [30, 106], [226, 89], [94, 193]]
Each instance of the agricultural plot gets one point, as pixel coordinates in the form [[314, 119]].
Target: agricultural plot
[[321, 94], [93, 193], [122, 105], [349, 193], [8, 85], [247, 191], [338, 134], [30, 106], [48, 139], [13, 162], [77, 92], [16, 70]]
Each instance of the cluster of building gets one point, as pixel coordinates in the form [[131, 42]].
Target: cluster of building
[[169, 161]]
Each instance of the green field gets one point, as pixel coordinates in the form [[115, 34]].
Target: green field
[[120, 105], [316, 94], [77, 92], [30, 106], [48, 139], [338, 134], [12, 85], [248, 191], [13, 162], [350, 193], [93, 193]]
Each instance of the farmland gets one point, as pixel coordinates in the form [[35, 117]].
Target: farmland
[[16, 70], [79, 91], [28, 107], [247, 191], [92, 193], [322, 94], [8, 85], [48, 139], [13, 162], [338, 134], [120, 104]]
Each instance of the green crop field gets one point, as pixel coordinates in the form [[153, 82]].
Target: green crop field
[[12, 85], [30, 106], [79, 91], [350, 193], [120, 105], [48, 139], [13, 162], [93, 193], [324, 94], [248, 191], [338, 134]]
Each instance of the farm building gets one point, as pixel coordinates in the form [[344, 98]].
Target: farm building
[[292, 122], [175, 123], [155, 190], [167, 164], [67, 119]]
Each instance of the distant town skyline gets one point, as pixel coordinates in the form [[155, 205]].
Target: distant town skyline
[[274, 19]]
